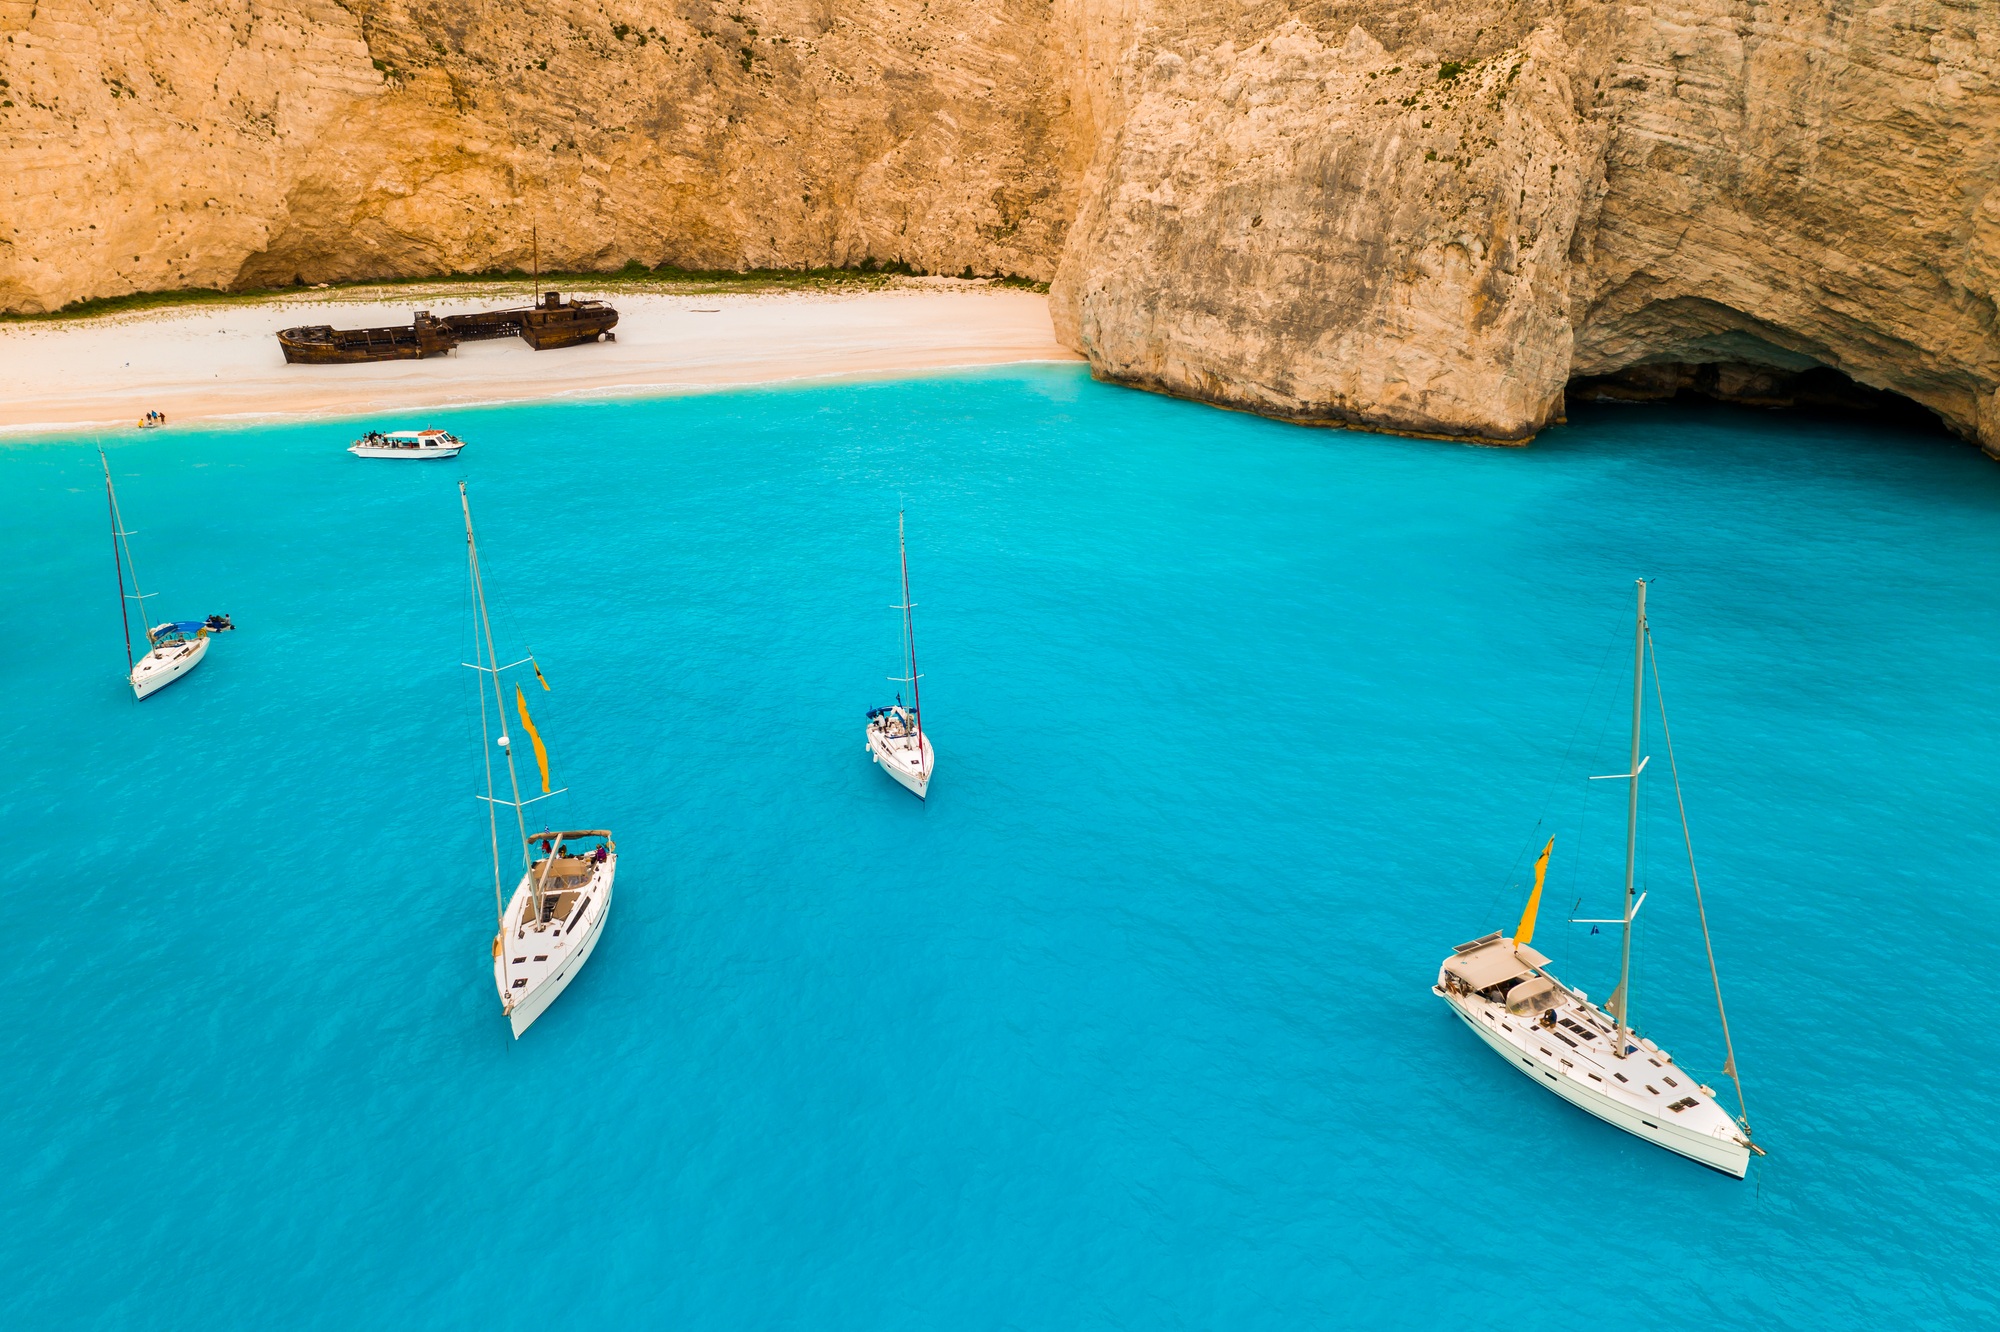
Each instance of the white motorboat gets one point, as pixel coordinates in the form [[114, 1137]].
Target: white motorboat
[[173, 648], [407, 444], [895, 736], [1593, 1057], [550, 925]]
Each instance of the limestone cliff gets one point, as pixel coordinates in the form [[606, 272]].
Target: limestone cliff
[[1430, 217], [154, 144], [1413, 216]]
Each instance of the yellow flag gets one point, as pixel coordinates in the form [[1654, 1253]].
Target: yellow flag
[[1522, 932], [538, 674], [528, 725]]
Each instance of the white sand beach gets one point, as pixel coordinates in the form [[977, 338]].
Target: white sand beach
[[222, 361]]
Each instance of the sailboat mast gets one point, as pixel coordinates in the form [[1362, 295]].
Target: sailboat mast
[[499, 703], [1632, 823], [124, 611], [910, 638]]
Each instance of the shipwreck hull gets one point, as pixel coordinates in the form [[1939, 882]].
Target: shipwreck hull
[[322, 344], [486, 325], [552, 323], [559, 323]]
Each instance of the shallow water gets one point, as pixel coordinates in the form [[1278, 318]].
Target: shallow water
[[1239, 726]]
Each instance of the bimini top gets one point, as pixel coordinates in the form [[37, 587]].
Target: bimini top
[[417, 434], [1492, 960], [176, 627]]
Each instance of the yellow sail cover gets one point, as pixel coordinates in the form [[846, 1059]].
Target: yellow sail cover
[[542, 754], [1522, 932]]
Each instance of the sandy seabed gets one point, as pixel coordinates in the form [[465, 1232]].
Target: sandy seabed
[[223, 362]]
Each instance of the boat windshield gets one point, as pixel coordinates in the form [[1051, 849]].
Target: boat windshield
[[1534, 995]]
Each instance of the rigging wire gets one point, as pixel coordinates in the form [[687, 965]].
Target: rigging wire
[[1508, 882], [1729, 1048]]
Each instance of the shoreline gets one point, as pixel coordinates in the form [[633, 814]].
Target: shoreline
[[221, 364]]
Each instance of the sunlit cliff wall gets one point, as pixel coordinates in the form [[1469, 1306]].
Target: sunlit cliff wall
[[1416, 216], [167, 143]]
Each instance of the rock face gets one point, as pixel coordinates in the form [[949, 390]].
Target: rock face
[[156, 144], [1424, 217], [1429, 218]]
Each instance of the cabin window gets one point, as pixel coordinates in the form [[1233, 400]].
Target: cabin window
[[519, 983], [1593, 1077], [1651, 1088], [1564, 1039], [541, 957], [1670, 1082], [1565, 1063], [1621, 1077], [519, 960]]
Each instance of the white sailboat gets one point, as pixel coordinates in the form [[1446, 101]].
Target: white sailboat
[[174, 647], [550, 926], [895, 735], [1593, 1057]]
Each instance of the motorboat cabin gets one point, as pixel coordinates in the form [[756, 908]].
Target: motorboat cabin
[[407, 444]]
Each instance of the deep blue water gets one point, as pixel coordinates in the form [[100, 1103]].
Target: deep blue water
[[1240, 726]]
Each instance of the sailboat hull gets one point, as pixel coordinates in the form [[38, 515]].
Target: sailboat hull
[[164, 665], [1710, 1139], [898, 756], [535, 1002]]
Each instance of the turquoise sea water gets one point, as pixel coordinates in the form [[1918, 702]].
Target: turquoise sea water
[[1240, 726]]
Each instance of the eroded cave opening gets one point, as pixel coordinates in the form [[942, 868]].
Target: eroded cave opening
[[1816, 389], [1695, 348]]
